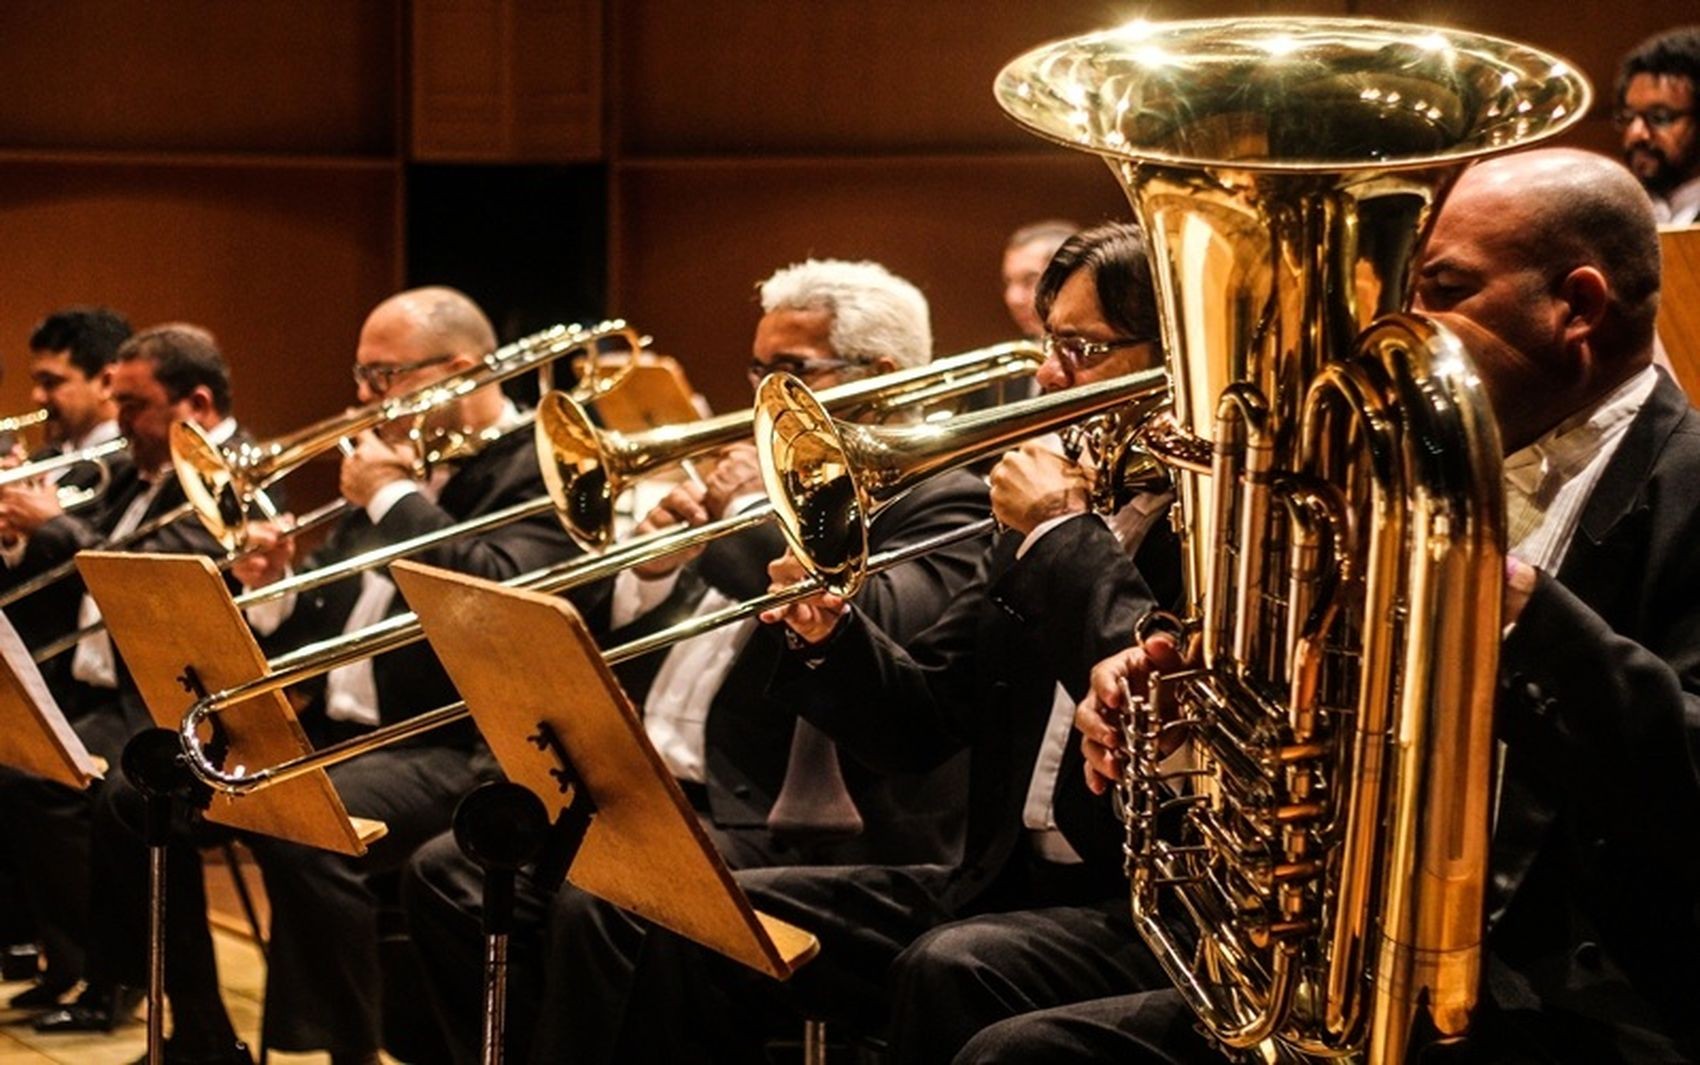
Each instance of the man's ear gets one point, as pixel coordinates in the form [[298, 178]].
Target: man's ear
[[883, 364], [200, 401], [1586, 294]]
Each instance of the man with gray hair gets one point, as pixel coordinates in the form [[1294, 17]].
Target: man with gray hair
[[768, 789]]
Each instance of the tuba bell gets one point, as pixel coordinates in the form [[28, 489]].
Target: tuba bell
[[1310, 868]]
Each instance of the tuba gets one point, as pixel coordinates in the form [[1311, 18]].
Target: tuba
[[1307, 806]]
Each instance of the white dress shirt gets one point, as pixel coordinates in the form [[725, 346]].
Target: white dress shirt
[[351, 691], [1129, 524], [675, 713], [93, 662], [1681, 207]]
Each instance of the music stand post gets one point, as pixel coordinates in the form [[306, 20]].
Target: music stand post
[[153, 763], [500, 827]]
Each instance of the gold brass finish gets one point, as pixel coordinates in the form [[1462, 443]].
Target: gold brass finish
[[13, 424], [930, 447], [587, 468], [223, 485], [827, 478], [1313, 883], [70, 497]]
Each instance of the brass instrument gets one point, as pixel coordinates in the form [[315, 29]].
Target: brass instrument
[[223, 485], [929, 448], [1314, 882], [17, 423], [70, 497], [827, 478], [587, 468]]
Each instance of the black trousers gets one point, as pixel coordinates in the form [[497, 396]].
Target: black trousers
[[46, 831], [1158, 1027], [893, 960], [442, 893], [323, 988]]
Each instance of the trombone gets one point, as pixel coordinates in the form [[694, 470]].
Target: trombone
[[17, 423], [586, 468], [222, 484], [70, 497], [808, 482], [564, 424]]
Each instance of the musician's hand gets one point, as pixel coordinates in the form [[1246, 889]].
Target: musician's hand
[[268, 553], [374, 464], [682, 506], [1098, 717], [28, 505], [812, 619], [1520, 578], [737, 473], [1033, 484], [13, 458]]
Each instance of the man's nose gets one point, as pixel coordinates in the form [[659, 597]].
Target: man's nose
[[1051, 375]]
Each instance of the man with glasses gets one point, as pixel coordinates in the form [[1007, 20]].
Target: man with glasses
[[324, 987], [767, 788], [1658, 92], [906, 949]]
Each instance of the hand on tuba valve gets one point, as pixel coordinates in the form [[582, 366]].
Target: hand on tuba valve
[[1101, 717]]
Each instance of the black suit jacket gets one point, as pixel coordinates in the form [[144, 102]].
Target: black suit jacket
[[410, 680], [983, 679], [51, 612], [1594, 905], [908, 817]]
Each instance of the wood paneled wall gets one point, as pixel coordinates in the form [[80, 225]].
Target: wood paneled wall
[[247, 165], [235, 165]]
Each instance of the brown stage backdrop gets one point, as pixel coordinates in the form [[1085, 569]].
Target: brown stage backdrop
[[246, 165]]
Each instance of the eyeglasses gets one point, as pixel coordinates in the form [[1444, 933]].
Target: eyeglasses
[[380, 378], [795, 365], [1654, 117], [1078, 353]]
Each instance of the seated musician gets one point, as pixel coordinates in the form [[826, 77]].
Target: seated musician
[[1050, 593], [768, 789], [1658, 121], [159, 376], [321, 997], [1546, 263]]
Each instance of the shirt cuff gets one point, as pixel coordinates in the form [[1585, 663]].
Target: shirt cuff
[[265, 618], [387, 497], [634, 596], [1046, 526]]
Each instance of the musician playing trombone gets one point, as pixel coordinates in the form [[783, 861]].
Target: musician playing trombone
[[983, 679], [159, 376], [767, 789], [71, 353], [324, 987]]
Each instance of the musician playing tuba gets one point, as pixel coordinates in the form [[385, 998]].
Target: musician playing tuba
[[1547, 264]]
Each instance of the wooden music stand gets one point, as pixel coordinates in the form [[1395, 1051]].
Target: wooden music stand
[[1679, 304], [176, 625], [547, 703], [34, 735], [654, 393]]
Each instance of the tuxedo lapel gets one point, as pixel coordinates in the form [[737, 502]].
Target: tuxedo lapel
[[1611, 543]]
